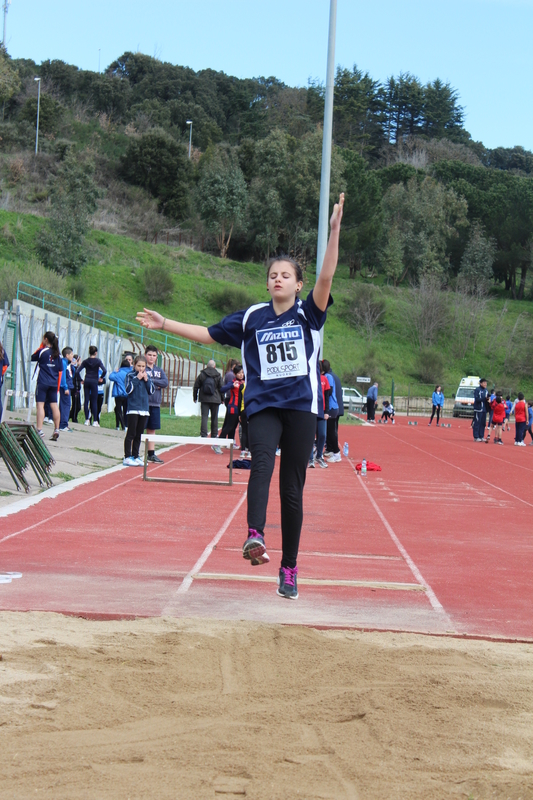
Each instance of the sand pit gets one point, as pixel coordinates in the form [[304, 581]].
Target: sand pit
[[164, 708]]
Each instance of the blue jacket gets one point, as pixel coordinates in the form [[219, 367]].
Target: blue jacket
[[480, 397], [437, 398], [119, 381], [138, 392], [373, 393], [50, 368], [67, 379], [333, 402]]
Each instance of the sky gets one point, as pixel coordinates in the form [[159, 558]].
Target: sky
[[482, 47]]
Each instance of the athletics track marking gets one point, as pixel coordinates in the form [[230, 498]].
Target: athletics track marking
[[432, 597], [81, 481], [472, 474]]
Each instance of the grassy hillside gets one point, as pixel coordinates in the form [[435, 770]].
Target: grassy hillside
[[112, 281]]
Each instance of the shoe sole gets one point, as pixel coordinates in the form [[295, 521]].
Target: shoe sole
[[254, 551], [264, 559], [287, 596]]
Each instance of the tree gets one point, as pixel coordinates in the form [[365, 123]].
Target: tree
[[158, 163], [9, 77], [73, 195], [422, 216], [478, 258], [367, 309], [426, 311], [221, 196]]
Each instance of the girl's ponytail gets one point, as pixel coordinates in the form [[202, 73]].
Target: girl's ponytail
[[53, 341]]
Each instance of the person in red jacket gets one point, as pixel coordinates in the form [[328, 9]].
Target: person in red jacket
[[520, 418], [498, 417]]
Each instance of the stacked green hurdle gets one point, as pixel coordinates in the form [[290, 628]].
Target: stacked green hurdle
[[21, 447]]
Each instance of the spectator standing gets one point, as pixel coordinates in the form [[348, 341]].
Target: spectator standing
[[66, 389], [93, 376], [4, 364], [437, 400], [75, 406], [490, 402], [498, 418], [480, 411], [101, 392], [229, 377], [139, 387], [207, 388], [317, 454], [118, 379], [530, 420], [371, 400], [235, 388], [50, 365], [160, 381], [508, 409], [332, 450], [520, 420]]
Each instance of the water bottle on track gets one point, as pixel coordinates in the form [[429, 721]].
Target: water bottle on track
[[345, 449], [363, 468]]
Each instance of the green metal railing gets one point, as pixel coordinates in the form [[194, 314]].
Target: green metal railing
[[119, 327]]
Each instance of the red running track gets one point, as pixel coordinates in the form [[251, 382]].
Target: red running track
[[439, 541]]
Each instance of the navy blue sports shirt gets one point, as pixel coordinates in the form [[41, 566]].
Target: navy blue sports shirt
[[279, 354]]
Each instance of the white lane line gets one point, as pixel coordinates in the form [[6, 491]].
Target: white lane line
[[393, 585], [186, 583], [472, 474], [432, 597], [363, 556], [55, 492], [485, 453]]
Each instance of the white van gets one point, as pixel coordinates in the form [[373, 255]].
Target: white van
[[464, 399]]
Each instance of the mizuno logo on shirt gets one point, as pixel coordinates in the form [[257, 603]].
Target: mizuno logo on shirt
[[279, 335]]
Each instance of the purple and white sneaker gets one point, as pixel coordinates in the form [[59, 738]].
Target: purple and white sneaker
[[254, 549], [287, 583]]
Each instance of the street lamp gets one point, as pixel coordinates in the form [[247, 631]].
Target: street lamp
[[189, 122], [38, 109]]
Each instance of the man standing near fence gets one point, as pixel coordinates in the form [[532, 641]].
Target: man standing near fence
[[207, 388], [371, 400], [160, 381], [480, 411]]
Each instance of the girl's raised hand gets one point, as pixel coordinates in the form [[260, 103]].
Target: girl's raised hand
[[150, 319], [335, 221]]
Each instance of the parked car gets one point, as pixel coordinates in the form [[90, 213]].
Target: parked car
[[353, 399]]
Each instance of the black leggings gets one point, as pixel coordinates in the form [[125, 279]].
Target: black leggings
[[230, 426], [294, 431], [91, 397], [121, 404], [435, 409], [136, 424]]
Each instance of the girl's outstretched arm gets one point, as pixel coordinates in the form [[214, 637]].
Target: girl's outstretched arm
[[155, 321], [323, 284]]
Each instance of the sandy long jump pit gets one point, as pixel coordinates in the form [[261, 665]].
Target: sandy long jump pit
[[167, 708]]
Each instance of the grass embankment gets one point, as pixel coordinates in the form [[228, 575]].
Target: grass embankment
[[112, 282]]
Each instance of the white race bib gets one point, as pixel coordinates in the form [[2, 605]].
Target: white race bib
[[282, 352]]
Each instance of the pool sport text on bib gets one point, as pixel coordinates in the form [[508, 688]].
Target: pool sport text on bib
[[282, 352]]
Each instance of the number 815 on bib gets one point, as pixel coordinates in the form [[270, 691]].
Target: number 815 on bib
[[282, 353]]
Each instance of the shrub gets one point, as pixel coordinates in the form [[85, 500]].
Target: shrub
[[230, 298], [32, 272], [430, 365], [367, 310], [368, 367], [157, 283]]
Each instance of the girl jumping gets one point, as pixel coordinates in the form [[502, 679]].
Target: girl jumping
[[280, 343]]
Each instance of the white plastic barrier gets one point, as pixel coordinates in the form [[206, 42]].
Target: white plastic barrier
[[184, 405]]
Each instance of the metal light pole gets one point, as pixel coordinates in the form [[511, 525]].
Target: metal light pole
[[38, 109], [6, 5], [189, 122], [323, 212], [98, 60]]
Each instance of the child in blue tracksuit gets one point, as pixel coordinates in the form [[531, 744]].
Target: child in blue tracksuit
[[437, 402], [118, 379], [66, 388], [508, 409], [138, 389], [529, 421]]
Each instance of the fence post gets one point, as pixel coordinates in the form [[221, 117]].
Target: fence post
[[408, 398]]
